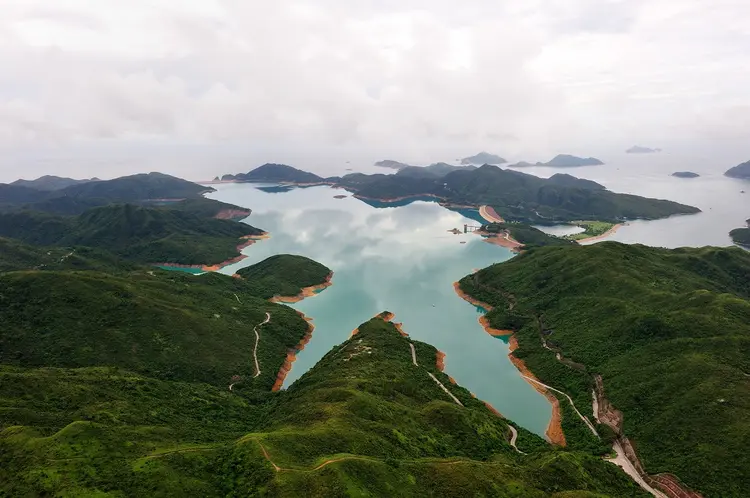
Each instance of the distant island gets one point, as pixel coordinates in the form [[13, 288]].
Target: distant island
[[568, 161], [275, 173], [514, 195], [390, 164], [637, 149], [562, 161], [685, 174], [739, 171], [741, 236], [483, 158]]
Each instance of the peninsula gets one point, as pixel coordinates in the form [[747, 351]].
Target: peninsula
[[596, 318], [741, 236]]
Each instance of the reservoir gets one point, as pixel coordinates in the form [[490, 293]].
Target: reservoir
[[400, 259]]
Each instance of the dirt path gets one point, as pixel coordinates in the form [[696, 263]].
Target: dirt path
[[413, 355], [622, 461], [513, 438], [257, 340], [584, 419]]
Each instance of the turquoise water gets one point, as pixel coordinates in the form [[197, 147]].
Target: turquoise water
[[192, 271], [399, 259]]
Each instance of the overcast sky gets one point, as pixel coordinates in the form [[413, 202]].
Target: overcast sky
[[199, 88]]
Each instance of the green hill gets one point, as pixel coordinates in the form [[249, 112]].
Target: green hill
[[182, 233], [50, 182], [15, 255], [297, 271], [668, 332], [275, 173], [365, 421]]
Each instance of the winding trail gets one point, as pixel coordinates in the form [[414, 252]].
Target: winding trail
[[257, 340], [513, 438], [440, 384], [584, 419], [625, 464]]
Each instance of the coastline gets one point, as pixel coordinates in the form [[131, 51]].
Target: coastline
[[507, 242], [291, 355], [602, 236], [305, 292], [248, 241], [395, 199], [554, 430], [483, 320]]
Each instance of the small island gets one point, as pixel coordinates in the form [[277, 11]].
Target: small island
[[740, 171], [741, 236], [685, 174], [637, 149]]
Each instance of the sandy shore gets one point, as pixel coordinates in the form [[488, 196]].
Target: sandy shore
[[554, 430], [233, 214], [291, 355], [440, 360], [306, 292], [504, 240], [604, 235], [489, 214]]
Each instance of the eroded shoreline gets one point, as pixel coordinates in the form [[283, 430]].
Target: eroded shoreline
[[483, 320], [248, 241], [554, 430], [604, 235], [305, 292]]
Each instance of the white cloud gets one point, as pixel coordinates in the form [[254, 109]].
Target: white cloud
[[418, 80]]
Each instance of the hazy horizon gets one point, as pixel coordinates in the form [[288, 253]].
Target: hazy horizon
[[105, 89]]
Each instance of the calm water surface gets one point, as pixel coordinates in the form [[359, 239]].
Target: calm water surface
[[398, 259], [402, 259]]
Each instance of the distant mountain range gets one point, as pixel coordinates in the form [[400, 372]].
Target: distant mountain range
[[49, 182], [390, 164], [637, 149], [739, 171]]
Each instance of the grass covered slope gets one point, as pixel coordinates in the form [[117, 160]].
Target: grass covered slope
[[666, 329], [169, 326], [183, 233], [284, 275], [525, 234], [365, 421]]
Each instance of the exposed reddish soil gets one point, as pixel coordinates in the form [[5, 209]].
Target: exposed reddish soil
[[291, 355], [554, 431], [306, 292], [232, 214], [440, 361]]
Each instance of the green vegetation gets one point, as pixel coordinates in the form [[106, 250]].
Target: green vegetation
[[275, 173], [283, 275], [591, 229], [364, 421], [666, 329], [741, 236], [50, 182], [81, 196], [526, 235], [141, 234], [517, 196]]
